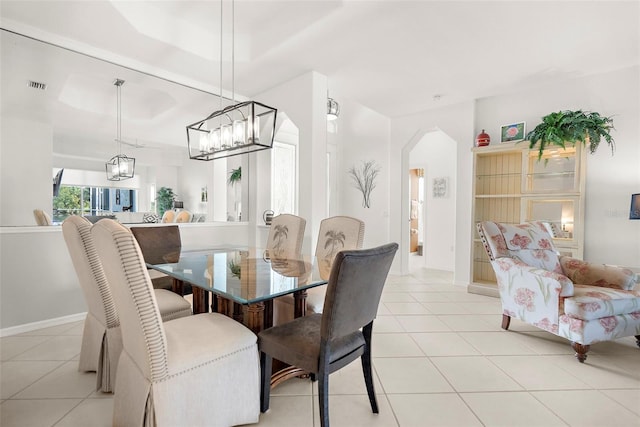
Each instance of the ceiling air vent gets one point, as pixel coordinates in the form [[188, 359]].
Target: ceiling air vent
[[37, 85]]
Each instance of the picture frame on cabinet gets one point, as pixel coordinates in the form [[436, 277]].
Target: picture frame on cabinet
[[513, 132]]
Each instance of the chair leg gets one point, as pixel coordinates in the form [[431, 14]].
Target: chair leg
[[323, 397], [265, 381], [581, 351], [638, 340], [506, 320], [366, 367]]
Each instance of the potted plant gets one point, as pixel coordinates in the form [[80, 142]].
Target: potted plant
[[235, 176], [165, 198], [571, 127]]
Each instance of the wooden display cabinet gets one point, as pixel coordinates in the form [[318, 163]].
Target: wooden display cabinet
[[511, 185]]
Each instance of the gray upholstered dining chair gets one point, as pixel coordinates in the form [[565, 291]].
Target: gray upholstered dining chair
[[193, 371], [336, 233], [161, 244], [286, 234], [101, 339], [324, 343]]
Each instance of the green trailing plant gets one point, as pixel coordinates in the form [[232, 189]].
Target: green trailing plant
[[235, 176], [572, 127], [164, 199]]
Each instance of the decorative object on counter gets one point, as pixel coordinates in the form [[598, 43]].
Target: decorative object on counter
[[267, 216], [235, 176], [164, 200], [571, 127], [513, 133], [119, 167], [178, 205], [239, 128], [482, 139], [364, 179]]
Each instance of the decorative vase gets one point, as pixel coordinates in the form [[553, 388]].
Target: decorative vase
[[482, 139], [267, 216]]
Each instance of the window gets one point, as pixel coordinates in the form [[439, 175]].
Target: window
[[284, 174], [92, 201]]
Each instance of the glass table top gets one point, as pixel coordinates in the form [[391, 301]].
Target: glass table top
[[245, 276]]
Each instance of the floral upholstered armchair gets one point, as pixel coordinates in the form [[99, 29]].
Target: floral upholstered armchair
[[582, 302]]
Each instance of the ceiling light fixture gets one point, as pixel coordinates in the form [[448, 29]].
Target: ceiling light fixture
[[236, 129], [120, 167], [333, 109]]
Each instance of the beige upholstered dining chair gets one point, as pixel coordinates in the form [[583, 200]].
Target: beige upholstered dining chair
[[193, 371], [324, 343], [336, 233], [286, 234], [168, 216], [183, 216], [101, 340], [42, 218]]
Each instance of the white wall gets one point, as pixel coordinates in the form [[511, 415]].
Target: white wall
[[436, 154], [26, 164], [304, 100], [362, 135], [610, 237]]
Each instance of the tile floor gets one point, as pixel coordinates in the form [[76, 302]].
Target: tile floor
[[440, 359]]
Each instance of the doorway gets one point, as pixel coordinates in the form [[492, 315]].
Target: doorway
[[431, 200]]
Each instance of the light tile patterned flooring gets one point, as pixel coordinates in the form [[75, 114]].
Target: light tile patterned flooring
[[440, 359]]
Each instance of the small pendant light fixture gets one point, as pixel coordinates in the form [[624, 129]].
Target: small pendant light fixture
[[120, 167], [236, 129]]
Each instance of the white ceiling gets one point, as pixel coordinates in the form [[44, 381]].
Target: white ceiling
[[391, 56]]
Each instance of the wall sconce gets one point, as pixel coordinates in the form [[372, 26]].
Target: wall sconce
[[333, 109]]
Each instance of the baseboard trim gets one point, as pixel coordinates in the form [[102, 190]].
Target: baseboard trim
[[28, 327]]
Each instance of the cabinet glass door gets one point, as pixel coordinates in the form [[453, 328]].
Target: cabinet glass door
[[558, 215], [555, 172]]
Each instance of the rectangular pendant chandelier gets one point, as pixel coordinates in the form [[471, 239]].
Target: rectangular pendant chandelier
[[120, 167], [237, 129]]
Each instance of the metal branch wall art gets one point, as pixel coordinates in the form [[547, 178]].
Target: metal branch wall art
[[364, 179]]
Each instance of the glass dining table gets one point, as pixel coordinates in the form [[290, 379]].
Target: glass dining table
[[243, 282]]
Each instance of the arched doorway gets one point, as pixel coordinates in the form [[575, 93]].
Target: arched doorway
[[430, 211]]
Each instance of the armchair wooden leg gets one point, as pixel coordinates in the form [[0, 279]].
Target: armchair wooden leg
[[638, 340], [506, 320], [581, 351], [366, 368]]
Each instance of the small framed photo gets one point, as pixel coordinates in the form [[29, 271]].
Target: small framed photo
[[634, 212], [513, 132], [440, 187]]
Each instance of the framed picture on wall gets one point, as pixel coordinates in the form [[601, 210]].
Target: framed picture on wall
[[440, 187], [634, 212], [513, 132]]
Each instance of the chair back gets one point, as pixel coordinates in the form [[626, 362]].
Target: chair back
[[142, 333], [159, 244], [93, 282], [354, 289], [42, 218], [528, 242], [338, 233], [285, 236], [168, 216], [183, 216]]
